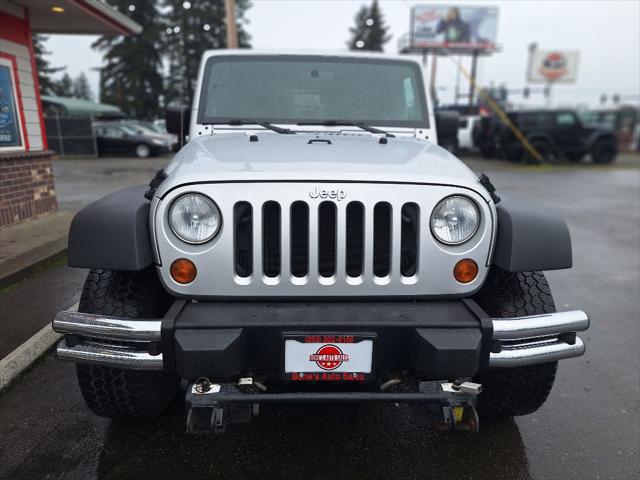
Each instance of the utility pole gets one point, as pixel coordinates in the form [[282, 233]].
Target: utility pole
[[457, 88], [472, 87], [432, 83], [232, 31]]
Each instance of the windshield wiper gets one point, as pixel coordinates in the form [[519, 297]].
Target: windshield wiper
[[347, 123], [266, 125]]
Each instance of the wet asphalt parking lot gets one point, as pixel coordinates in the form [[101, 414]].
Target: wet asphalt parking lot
[[589, 427]]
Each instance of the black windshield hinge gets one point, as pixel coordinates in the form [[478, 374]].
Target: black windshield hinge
[[486, 183], [155, 182]]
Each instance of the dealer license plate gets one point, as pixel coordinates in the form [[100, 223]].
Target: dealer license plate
[[335, 357]]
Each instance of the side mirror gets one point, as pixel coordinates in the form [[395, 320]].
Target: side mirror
[[178, 118], [447, 125]]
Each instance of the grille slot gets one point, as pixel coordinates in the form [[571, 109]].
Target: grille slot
[[410, 239], [327, 239], [299, 239], [271, 239], [382, 239], [243, 239], [355, 239]]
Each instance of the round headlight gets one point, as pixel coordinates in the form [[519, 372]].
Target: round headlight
[[194, 218], [455, 220]]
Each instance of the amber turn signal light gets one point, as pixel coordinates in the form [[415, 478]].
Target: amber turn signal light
[[465, 271], [183, 271]]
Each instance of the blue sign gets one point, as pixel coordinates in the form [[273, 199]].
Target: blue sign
[[9, 126]]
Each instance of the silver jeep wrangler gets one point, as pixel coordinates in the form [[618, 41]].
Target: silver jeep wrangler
[[312, 243]]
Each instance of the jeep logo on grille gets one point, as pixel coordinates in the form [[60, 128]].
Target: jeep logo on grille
[[334, 194]]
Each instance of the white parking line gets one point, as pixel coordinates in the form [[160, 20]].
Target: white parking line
[[19, 360]]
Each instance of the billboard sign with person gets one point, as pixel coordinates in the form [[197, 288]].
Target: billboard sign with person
[[435, 27], [553, 66]]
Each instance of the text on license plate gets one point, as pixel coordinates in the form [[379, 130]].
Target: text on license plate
[[307, 357]]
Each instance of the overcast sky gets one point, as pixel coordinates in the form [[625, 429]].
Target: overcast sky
[[607, 34]]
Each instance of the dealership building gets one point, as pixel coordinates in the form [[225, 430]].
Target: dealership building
[[26, 179]]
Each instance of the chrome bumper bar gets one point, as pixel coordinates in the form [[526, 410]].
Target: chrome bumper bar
[[517, 341], [94, 333], [107, 328], [109, 355], [537, 338]]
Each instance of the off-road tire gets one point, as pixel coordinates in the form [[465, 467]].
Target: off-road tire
[[546, 151], [516, 390], [604, 151], [113, 392]]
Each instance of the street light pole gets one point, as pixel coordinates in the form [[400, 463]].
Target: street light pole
[[232, 31]]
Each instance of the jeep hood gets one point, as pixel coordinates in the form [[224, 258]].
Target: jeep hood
[[327, 157]]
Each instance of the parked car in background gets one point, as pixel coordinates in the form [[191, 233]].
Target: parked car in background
[[151, 128], [555, 134], [624, 120], [160, 125], [116, 138]]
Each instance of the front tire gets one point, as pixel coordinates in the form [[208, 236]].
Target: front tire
[[546, 151], [114, 392], [516, 390], [604, 152], [143, 151]]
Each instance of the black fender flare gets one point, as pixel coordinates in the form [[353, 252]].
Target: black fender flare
[[530, 237], [597, 136], [112, 233]]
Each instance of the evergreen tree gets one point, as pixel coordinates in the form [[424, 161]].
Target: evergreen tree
[[370, 31], [45, 71], [81, 88], [192, 28], [64, 86], [132, 76]]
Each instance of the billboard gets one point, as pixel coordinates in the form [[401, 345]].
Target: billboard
[[553, 66], [458, 29]]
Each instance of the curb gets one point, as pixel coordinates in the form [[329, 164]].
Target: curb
[[26, 264], [26, 354]]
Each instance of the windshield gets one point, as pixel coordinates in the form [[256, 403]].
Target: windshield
[[129, 129], [307, 89], [146, 130]]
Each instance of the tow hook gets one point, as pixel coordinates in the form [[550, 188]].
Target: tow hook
[[207, 414], [460, 417], [250, 385]]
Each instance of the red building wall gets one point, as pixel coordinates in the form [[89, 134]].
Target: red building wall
[[26, 177]]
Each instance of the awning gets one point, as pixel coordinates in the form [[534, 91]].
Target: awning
[[74, 107], [77, 16]]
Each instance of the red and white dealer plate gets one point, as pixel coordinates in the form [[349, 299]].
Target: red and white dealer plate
[[322, 353]]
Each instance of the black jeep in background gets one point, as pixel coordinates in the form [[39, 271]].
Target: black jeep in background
[[556, 134]]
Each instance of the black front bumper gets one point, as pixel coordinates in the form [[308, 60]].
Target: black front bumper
[[225, 340]]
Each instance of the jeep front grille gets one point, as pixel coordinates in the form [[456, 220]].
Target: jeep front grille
[[293, 239], [340, 228]]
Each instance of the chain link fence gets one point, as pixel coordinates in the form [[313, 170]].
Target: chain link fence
[[70, 136]]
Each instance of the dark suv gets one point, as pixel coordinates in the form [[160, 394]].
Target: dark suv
[[555, 134]]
